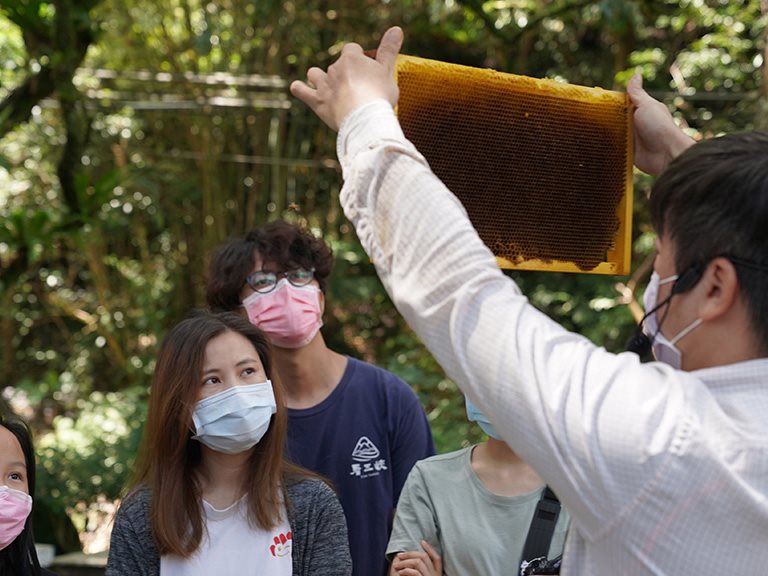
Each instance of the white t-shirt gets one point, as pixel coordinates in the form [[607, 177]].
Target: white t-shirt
[[231, 545]]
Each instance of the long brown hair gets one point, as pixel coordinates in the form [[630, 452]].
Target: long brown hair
[[169, 456]]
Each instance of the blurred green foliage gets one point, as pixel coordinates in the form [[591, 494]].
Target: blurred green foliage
[[174, 130], [101, 436]]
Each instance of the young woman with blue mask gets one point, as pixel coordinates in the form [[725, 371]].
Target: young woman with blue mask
[[213, 492], [355, 423]]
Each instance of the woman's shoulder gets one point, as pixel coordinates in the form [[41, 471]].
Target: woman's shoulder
[[312, 500], [309, 488], [136, 503], [139, 495]]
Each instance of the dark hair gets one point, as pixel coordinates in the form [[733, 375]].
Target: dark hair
[[713, 201], [279, 243], [169, 456], [19, 558]]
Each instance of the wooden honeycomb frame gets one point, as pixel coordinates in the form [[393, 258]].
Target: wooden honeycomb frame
[[543, 168]]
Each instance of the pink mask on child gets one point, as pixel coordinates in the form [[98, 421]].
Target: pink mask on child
[[15, 506], [289, 315]]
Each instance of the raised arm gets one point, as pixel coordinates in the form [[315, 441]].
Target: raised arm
[[557, 399]]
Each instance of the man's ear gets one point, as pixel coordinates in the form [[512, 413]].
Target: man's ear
[[720, 285]]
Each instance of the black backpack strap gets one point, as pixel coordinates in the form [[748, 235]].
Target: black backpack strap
[[542, 527]]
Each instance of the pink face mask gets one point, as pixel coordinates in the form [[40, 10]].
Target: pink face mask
[[290, 315], [663, 350], [15, 506]]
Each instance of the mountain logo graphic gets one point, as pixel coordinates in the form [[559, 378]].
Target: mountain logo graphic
[[365, 450]]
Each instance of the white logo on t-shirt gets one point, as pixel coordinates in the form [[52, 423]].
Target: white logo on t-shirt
[[364, 452]]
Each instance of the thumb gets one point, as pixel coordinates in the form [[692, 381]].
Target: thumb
[[389, 47], [635, 89], [437, 561]]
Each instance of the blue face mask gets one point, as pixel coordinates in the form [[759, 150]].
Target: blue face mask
[[474, 415], [234, 420]]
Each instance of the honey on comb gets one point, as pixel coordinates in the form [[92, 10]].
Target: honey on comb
[[540, 168]]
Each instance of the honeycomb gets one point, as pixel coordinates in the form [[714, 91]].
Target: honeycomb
[[543, 169]]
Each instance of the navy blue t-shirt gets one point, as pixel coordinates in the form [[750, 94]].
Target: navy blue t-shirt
[[366, 436]]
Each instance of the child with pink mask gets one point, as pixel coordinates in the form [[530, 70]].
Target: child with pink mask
[[17, 487], [348, 420]]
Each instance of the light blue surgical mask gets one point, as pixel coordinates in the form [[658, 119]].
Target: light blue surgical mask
[[236, 419], [474, 415]]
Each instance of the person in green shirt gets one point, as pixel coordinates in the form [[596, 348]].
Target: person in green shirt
[[468, 511]]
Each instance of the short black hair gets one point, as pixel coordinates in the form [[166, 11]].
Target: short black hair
[[20, 556], [713, 201], [285, 245]]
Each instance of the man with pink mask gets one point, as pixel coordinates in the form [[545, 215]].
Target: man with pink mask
[[663, 465], [355, 423]]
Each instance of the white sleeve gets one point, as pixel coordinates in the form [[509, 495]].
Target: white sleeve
[[597, 427]]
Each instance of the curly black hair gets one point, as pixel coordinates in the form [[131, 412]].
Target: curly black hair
[[284, 246]]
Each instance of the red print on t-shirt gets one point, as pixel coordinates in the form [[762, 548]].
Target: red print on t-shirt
[[282, 545]]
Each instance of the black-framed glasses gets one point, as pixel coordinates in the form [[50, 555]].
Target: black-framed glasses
[[541, 565], [262, 281]]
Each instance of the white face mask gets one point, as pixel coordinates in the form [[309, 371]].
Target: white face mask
[[234, 420], [663, 350]]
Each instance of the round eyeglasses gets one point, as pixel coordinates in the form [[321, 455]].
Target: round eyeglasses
[[262, 281]]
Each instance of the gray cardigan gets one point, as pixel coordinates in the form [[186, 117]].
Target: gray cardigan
[[320, 542]]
